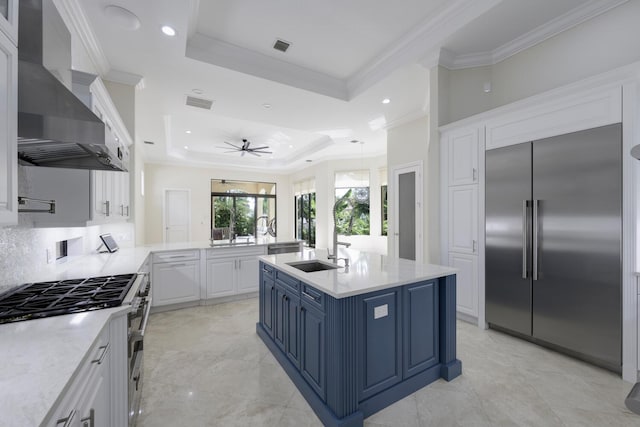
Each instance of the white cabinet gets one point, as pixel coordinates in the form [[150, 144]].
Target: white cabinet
[[8, 124], [9, 19], [87, 402], [463, 219], [463, 157], [466, 282], [221, 277], [462, 201], [232, 271], [110, 196], [176, 277]]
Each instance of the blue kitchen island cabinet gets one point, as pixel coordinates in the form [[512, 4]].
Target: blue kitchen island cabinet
[[351, 352]]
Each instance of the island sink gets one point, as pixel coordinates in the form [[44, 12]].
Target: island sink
[[311, 266]]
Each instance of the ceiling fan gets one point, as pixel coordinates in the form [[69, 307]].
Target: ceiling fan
[[246, 149]]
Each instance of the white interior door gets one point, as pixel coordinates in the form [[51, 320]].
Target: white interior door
[[177, 215], [407, 211]]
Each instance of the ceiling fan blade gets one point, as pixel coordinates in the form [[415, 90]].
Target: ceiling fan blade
[[259, 148], [246, 145], [253, 153], [243, 153], [262, 152], [234, 146]]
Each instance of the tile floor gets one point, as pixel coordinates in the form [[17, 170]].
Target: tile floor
[[205, 366]]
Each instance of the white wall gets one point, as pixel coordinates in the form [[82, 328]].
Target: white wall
[[159, 177], [409, 143], [603, 43], [324, 175]]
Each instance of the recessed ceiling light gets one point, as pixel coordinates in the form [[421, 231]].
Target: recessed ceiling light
[[197, 91], [186, 147], [169, 31], [291, 146], [266, 105], [122, 17], [386, 101], [187, 131]]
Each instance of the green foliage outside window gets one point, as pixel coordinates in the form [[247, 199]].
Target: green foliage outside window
[[385, 220], [239, 210], [352, 213]]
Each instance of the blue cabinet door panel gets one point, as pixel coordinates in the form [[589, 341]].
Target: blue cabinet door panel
[[292, 322], [279, 327], [420, 308], [267, 301], [381, 361], [312, 357]]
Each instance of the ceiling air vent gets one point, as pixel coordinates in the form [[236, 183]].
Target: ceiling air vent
[[149, 142], [199, 102], [281, 45]]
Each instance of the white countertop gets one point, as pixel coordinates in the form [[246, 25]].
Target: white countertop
[[39, 362], [39, 358], [367, 272]]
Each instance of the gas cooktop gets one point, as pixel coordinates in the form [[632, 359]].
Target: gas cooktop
[[44, 299]]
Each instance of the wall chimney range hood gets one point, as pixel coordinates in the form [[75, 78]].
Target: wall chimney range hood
[[55, 129]]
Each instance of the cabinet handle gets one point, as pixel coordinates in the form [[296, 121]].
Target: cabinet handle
[[475, 174], [100, 359], [311, 297], [474, 246], [68, 419], [178, 265], [127, 210], [91, 419]]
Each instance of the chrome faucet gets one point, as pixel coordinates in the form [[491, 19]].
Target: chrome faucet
[[334, 256]]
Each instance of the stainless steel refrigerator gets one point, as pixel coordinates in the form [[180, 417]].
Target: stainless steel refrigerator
[[553, 243]]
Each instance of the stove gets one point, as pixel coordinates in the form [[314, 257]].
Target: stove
[[45, 299]]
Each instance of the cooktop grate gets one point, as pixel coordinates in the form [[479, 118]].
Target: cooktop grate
[[45, 299]]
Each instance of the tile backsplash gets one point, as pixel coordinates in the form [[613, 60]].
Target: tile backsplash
[[23, 249]]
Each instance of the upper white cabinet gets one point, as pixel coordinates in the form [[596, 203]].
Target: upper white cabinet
[[8, 129], [463, 157], [9, 19], [110, 196]]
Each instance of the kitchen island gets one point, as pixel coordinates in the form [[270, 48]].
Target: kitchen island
[[355, 340]]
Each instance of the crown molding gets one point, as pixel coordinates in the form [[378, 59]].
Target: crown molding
[[586, 11], [576, 16], [73, 14], [418, 43], [407, 118], [124, 78], [222, 54]]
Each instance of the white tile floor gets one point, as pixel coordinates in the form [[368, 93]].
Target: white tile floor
[[205, 366]]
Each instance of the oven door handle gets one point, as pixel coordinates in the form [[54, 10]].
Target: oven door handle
[[139, 334]]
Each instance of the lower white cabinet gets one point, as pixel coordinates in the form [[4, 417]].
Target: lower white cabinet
[[466, 282], [87, 402], [463, 219], [176, 282], [232, 271]]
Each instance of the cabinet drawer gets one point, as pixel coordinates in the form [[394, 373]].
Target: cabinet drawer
[[287, 281], [313, 297], [267, 270], [240, 252], [176, 256]]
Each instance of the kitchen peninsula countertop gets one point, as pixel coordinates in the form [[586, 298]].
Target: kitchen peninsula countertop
[[367, 271]]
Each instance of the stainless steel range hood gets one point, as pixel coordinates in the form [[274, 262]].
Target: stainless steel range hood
[[55, 129]]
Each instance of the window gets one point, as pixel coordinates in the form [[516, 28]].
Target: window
[[242, 208], [305, 212], [352, 203]]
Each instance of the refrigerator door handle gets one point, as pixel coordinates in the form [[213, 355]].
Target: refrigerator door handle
[[525, 243], [535, 239]]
